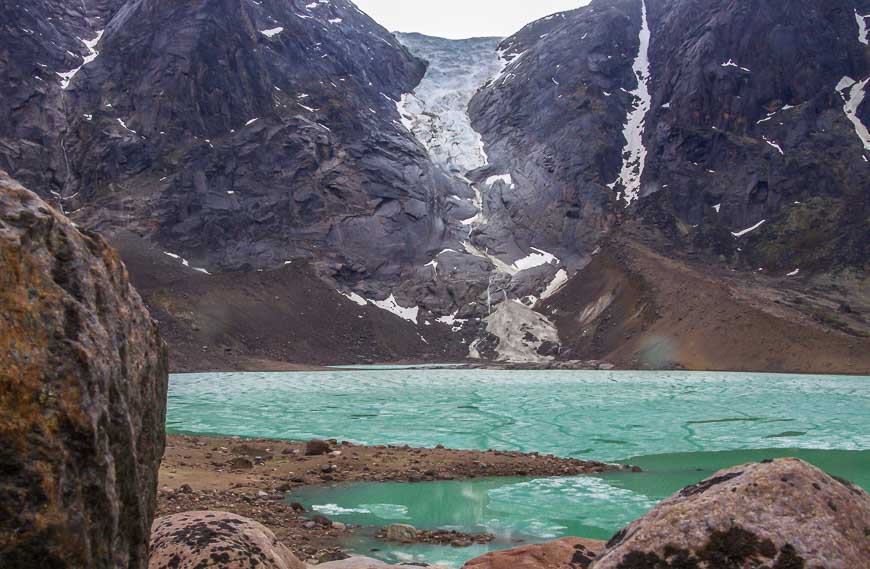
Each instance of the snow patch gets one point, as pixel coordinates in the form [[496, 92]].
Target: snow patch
[[853, 93], [558, 282], [506, 178], [391, 305], [731, 63], [434, 264], [773, 144], [123, 124], [185, 262], [535, 259], [635, 152], [451, 320], [272, 32], [354, 297], [66, 78], [862, 28], [749, 229]]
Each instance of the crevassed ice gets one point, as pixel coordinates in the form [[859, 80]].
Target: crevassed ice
[[437, 112], [635, 152]]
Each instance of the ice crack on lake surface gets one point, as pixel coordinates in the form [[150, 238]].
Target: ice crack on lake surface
[[596, 415]]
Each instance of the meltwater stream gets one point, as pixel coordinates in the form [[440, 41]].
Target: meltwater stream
[[679, 427]]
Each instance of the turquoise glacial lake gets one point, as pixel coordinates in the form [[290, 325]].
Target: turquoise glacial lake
[[680, 427]]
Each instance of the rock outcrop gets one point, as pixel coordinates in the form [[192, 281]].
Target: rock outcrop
[[699, 114], [567, 553], [83, 380], [778, 514], [402, 533], [219, 540]]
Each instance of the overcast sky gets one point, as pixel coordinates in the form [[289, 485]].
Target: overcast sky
[[462, 18]]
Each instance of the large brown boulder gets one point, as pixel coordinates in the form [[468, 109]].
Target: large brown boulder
[[783, 514], [567, 553], [194, 540], [83, 379]]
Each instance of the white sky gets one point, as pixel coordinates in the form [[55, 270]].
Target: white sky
[[462, 18]]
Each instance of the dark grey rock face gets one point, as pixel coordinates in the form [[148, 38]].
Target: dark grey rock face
[[160, 136], [554, 117], [748, 124], [253, 133], [83, 382], [746, 118]]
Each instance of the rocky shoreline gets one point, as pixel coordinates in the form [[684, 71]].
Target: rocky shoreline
[[256, 478]]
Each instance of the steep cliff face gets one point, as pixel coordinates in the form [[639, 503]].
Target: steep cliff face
[[552, 119], [246, 134], [44, 43], [730, 116]]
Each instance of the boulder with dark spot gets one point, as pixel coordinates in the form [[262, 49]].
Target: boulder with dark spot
[[83, 380], [218, 540], [776, 515], [316, 447], [567, 553]]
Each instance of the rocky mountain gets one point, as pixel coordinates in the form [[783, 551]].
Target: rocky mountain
[[722, 111], [727, 136], [367, 196]]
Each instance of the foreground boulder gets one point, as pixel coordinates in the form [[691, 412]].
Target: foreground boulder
[[567, 553], [783, 514], [83, 379], [218, 540]]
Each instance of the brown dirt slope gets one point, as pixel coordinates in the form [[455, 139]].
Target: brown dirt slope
[[639, 309], [281, 320]]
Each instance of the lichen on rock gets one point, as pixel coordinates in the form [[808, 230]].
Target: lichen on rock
[[219, 540], [83, 381], [783, 514]]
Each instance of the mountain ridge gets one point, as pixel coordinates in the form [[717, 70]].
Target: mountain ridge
[[461, 185]]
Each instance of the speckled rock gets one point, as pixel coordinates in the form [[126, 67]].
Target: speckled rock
[[83, 379], [218, 540], [779, 514], [401, 532], [567, 553]]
